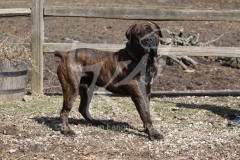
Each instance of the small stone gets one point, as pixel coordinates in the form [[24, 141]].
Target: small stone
[[52, 155], [27, 98]]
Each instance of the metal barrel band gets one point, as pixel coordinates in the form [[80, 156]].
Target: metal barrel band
[[12, 91], [13, 74]]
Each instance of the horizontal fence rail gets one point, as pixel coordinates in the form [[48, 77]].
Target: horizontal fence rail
[[185, 93], [198, 93], [162, 50], [145, 14], [15, 12], [131, 13]]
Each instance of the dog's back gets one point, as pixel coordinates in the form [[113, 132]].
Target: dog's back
[[87, 56]]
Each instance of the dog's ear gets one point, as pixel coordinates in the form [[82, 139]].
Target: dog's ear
[[159, 33], [128, 32]]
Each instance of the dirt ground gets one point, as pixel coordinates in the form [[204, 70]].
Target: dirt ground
[[193, 139], [194, 128]]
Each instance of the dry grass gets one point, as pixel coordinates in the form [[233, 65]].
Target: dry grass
[[15, 49], [193, 127]]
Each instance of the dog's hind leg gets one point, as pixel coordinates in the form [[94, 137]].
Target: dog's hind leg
[[70, 92], [69, 96], [86, 93]]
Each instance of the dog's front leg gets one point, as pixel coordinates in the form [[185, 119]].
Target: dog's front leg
[[141, 100]]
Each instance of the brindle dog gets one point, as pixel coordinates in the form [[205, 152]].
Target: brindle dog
[[130, 71]]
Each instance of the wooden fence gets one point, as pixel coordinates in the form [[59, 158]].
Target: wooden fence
[[38, 47]]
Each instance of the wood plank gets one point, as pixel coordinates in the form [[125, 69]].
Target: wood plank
[[37, 46], [15, 12], [197, 93], [144, 14], [200, 51], [162, 50], [51, 47], [185, 93]]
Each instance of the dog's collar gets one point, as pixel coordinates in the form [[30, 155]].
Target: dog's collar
[[132, 55]]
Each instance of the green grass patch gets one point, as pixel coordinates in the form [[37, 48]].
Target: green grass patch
[[37, 105]]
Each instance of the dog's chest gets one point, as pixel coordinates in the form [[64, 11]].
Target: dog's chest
[[151, 73]]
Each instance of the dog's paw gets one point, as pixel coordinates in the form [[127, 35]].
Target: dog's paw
[[68, 132], [154, 135]]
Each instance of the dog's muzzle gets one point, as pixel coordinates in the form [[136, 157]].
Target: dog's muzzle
[[149, 43]]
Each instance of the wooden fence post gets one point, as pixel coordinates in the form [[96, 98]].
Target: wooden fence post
[[37, 46]]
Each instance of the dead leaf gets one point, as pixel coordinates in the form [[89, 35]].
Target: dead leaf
[[225, 121], [200, 113], [27, 98], [85, 153], [180, 117], [189, 71], [12, 150]]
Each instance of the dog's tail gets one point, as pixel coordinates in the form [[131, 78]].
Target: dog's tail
[[60, 54]]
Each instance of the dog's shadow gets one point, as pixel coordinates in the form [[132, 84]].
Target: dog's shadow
[[111, 125], [223, 111]]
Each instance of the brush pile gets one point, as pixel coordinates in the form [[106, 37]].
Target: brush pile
[[180, 40]]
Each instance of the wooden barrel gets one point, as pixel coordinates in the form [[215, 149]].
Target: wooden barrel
[[12, 80]]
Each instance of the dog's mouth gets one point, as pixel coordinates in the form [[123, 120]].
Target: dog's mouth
[[150, 49], [150, 43]]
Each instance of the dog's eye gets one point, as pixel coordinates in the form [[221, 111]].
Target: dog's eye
[[138, 34]]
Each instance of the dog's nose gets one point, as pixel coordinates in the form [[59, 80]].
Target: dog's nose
[[148, 43], [148, 40]]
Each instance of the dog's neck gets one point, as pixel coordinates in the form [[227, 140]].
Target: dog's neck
[[130, 53], [151, 60]]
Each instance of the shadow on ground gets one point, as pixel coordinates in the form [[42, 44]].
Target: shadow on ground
[[223, 111], [123, 127]]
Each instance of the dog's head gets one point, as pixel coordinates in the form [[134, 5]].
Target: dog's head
[[143, 38]]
